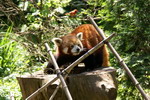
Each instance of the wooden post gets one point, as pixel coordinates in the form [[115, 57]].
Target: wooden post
[[99, 84], [32, 82]]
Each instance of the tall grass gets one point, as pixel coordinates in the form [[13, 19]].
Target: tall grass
[[13, 60], [11, 54]]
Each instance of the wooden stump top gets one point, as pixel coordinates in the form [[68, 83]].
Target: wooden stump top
[[99, 84]]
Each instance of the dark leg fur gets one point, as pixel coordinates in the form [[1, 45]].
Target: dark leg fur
[[49, 69], [99, 59], [90, 62], [62, 62], [93, 61]]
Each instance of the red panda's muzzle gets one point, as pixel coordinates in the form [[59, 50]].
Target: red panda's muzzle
[[76, 50]]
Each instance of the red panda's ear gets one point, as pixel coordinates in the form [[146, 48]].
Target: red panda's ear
[[57, 41], [80, 35]]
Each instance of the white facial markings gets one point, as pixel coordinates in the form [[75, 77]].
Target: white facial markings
[[77, 49], [65, 50], [80, 43]]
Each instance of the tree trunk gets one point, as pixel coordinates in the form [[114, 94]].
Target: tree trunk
[[99, 84]]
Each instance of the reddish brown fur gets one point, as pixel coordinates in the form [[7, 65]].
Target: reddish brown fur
[[90, 38]]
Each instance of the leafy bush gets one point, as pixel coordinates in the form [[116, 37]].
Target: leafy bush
[[10, 87], [139, 66], [22, 46], [14, 61], [12, 54]]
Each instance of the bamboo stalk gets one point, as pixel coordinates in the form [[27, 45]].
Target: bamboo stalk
[[54, 93], [100, 31], [69, 68], [59, 73]]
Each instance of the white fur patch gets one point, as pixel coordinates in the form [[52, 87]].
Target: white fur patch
[[80, 35], [76, 50], [81, 45], [65, 50]]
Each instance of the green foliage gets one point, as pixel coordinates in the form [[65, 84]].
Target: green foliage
[[133, 25], [22, 45], [139, 66], [131, 22], [10, 87], [11, 54], [11, 60], [14, 60]]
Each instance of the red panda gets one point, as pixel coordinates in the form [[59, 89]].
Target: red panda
[[71, 46]]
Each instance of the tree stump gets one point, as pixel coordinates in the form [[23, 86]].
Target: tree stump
[[99, 84]]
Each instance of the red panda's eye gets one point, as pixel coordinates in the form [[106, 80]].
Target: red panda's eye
[[79, 45], [71, 46]]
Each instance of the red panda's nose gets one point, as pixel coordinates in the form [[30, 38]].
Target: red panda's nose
[[78, 49]]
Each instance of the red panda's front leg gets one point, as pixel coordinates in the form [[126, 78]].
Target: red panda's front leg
[[62, 61], [49, 69], [90, 62]]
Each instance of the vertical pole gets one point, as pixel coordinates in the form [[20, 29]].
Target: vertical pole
[[59, 73], [120, 60]]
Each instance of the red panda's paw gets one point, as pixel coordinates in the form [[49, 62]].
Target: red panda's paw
[[49, 71]]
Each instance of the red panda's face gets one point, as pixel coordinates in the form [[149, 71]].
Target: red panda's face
[[70, 45]]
